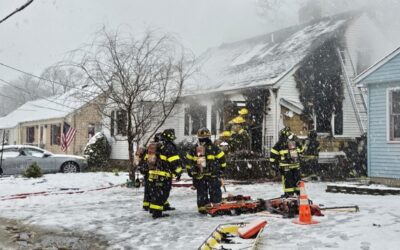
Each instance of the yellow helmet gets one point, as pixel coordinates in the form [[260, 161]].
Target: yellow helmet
[[226, 133], [243, 111], [237, 120]]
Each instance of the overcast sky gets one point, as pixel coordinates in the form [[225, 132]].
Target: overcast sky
[[45, 31]]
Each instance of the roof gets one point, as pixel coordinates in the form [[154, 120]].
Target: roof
[[53, 107], [261, 60], [376, 66], [292, 105]]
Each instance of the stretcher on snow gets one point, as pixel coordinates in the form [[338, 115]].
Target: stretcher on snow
[[233, 236], [239, 204]]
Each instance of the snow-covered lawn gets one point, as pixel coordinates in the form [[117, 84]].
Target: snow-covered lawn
[[116, 214]]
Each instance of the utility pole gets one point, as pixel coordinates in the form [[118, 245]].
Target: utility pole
[[1, 155]]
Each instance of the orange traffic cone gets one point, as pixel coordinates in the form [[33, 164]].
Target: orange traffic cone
[[305, 217]]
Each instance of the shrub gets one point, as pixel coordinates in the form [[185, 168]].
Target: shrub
[[98, 151], [33, 171]]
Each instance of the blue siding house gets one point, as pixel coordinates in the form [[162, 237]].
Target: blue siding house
[[383, 83]]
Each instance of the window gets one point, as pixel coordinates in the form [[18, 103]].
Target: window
[[30, 134], [33, 152], [323, 124], [10, 153], [55, 134], [121, 122], [187, 122], [118, 123], [41, 135], [213, 120], [394, 115], [199, 118], [112, 123], [91, 130]]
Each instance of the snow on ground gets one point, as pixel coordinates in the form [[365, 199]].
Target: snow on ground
[[116, 214]]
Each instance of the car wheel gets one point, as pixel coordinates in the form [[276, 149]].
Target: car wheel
[[70, 167]]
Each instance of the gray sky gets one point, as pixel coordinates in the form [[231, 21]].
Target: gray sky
[[45, 31]]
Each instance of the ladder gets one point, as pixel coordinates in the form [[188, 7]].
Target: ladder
[[358, 95]]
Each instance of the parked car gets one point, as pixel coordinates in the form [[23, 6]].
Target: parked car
[[16, 158]]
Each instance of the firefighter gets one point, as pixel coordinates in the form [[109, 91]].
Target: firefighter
[[240, 138], [168, 164], [285, 156], [206, 166], [310, 155], [222, 141], [143, 159]]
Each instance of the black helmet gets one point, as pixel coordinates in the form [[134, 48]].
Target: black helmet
[[312, 134], [203, 133], [169, 134], [284, 133]]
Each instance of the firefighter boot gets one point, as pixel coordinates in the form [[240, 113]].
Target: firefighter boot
[[168, 208], [158, 214]]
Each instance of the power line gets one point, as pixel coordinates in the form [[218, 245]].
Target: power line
[[44, 79], [24, 90], [17, 10]]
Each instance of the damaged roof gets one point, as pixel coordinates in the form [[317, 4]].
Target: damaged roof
[[262, 60]]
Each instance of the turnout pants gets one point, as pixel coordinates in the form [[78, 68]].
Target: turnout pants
[[146, 198], [159, 188], [208, 191], [290, 179]]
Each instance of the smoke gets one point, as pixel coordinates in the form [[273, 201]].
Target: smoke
[[384, 13], [281, 13]]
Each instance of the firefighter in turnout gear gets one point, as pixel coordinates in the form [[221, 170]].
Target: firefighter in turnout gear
[[309, 159], [285, 156], [146, 158], [168, 165], [206, 164]]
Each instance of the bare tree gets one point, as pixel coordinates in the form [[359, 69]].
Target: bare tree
[[142, 78], [17, 92], [59, 79]]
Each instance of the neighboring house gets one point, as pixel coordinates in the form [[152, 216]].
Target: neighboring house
[[41, 122], [383, 83], [115, 130], [274, 67]]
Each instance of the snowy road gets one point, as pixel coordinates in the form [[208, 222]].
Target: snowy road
[[116, 214]]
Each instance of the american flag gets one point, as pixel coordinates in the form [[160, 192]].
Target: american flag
[[67, 136]]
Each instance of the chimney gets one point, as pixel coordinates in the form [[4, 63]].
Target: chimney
[[309, 12]]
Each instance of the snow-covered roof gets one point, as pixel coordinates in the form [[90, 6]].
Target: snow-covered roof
[[261, 60], [48, 108]]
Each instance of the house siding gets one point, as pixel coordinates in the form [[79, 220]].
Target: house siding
[[351, 127], [80, 120], [388, 72], [383, 157]]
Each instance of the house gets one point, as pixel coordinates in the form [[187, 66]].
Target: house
[[383, 83], [40, 122], [301, 77]]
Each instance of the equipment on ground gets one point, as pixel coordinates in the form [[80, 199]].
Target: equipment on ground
[[243, 235], [240, 204]]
